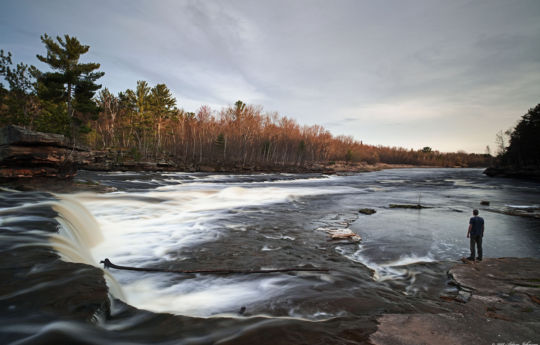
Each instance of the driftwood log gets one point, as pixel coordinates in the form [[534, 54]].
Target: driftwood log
[[108, 264]]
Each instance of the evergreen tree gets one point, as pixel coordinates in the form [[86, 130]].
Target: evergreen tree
[[163, 104], [70, 82], [525, 141], [15, 104]]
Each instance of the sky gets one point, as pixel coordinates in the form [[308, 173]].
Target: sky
[[412, 73]]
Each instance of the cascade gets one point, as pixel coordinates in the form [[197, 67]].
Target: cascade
[[78, 232]]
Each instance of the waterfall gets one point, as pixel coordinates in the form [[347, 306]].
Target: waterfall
[[78, 232]]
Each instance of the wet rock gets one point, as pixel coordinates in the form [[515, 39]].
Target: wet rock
[[463, 296], [499, 303], [340, 234], [46, 285], [367, 211], [447, 298], [528, 212], [508, 286], [484, 203], [450, 328], [496, 276]]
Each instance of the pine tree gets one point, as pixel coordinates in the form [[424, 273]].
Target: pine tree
[[70, 82], [163, 104]]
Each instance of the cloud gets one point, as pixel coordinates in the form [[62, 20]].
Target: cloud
[[380, 71]]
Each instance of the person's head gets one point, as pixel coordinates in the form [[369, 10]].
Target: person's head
[[475, 212]]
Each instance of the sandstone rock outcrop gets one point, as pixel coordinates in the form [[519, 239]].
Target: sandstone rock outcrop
[[27, 154]]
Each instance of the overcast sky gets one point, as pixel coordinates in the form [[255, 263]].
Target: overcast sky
[[445, 74]]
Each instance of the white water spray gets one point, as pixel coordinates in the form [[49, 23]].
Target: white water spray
[[78, 233]]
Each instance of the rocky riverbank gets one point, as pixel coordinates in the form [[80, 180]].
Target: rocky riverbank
[[498, 301], [26, 155], [530, 172]]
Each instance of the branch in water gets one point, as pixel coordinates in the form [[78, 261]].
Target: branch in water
[[108, 264]]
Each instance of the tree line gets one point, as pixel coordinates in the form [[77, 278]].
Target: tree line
[[145, 123], [523, 149]]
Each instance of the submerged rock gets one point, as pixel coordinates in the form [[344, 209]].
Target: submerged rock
[[368, 211]]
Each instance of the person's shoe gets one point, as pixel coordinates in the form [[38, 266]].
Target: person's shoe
[[470, 258], [478, 259]]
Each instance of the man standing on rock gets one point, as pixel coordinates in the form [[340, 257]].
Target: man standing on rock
[[476, 233]]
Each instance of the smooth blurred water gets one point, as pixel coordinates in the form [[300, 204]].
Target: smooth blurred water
[[203, 221], [187, 221]]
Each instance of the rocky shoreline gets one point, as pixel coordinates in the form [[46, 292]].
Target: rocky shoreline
[[33, 158], [498, 302], [530, 173]]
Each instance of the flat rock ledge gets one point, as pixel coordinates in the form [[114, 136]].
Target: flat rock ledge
[[498, 302], [27, 154]]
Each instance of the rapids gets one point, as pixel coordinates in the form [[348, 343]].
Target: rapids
[[210, 221]]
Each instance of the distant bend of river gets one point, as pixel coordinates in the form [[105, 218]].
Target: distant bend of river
[[190, 221]]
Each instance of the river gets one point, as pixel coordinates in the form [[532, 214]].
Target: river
[[200, 221]]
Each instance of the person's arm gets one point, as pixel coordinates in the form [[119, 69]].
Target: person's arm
[[482, 230], [469, 231]]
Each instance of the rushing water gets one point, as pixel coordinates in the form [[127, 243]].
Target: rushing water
[[187, 221]]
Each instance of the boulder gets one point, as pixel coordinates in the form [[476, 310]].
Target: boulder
[[341, 234], [20, 136]]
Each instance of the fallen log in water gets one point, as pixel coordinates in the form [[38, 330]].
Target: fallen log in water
[[108, 264]]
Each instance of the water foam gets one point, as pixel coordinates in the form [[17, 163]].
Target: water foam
[[158, 225], [391, 270], [204, 296], [77, 234]]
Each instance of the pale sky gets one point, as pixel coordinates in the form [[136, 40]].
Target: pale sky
[[445, 74]]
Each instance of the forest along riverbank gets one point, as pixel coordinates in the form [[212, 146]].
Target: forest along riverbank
[[207, 221], [27, 155]]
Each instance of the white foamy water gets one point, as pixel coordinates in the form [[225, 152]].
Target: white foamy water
[[389, 270], [155, 226], [147, 225], [77, 234], [205, 295]]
